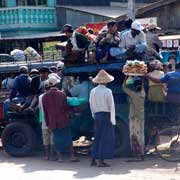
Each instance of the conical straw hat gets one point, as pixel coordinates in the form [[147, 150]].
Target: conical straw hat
[[102, 77]]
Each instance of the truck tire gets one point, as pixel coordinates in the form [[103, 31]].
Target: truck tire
[[122, 147], [18, 139]]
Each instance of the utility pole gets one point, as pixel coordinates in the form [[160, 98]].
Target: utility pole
[[131, 9]]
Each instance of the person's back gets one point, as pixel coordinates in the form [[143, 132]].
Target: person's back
[[21, 86], [55, 109]]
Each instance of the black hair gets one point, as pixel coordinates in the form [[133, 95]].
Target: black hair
[[83, 77], [90, 31], [44, 69], [128, 23], [111, 23], [138, 85], [172, 56]]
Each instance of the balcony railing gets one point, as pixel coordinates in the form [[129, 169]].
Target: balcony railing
[[26, 16]]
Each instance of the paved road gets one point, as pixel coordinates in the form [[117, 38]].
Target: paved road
[[35, 168]]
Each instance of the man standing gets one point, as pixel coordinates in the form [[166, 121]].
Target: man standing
[[103, 112], [56, 118]]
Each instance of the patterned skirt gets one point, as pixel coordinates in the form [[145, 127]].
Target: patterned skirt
[[104, 142]]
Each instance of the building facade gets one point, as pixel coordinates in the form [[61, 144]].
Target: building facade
[[96, 3], [26, 17]]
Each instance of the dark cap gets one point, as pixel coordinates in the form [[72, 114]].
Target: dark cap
[[23, 70], [67, 28], [44, 69]]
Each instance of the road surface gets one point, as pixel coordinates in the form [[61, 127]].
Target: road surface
[[35, 168]]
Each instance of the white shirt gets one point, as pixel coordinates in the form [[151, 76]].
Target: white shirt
[[101, 100], [44, 126], [155, 74], [128, 40]]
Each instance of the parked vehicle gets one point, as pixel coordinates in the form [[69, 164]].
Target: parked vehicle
[[21, 133]]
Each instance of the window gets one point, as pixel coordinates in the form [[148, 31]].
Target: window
[[2, 3], [30, 2]]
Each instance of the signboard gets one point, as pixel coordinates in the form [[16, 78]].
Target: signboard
[[102, 25], [147, 21], [96, 26], [50, 52]]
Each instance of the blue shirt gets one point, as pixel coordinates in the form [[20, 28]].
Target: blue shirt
[[21, 86], [81, 90], [172, 79]]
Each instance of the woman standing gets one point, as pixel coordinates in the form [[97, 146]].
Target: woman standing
[[136, 116], [103, 111]]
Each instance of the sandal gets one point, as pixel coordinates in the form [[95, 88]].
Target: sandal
[[103, 164], [74, 160]]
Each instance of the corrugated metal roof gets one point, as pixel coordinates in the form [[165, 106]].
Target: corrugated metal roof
[[107, 11], [36, 36]]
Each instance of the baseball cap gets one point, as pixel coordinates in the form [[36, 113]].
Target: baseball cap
[[153, 26], [68, 28], [137, 26], [23, 69], [60, 65]]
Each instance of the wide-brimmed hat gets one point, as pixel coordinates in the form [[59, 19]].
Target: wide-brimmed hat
[[153, 26], [53, 80], [103, 77]]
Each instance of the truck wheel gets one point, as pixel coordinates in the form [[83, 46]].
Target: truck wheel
[[122, 147], [18, 139]]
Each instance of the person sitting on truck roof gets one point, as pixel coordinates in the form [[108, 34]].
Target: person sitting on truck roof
[[107, 40], [153, 42], [133, 43], [76, 46], [172, 79]]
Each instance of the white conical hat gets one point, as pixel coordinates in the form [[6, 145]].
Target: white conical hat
[[103, 77]]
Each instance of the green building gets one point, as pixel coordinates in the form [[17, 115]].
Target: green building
[[27, 17]]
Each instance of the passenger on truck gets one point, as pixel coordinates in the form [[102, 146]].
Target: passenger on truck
[[172, 80], [8, 82], [156, 92], [153, 42], [105, 41], [133, 43], [76, 47], [82, 90], [172, 60]]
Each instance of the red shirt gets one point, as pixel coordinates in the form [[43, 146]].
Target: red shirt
[[55, 109]]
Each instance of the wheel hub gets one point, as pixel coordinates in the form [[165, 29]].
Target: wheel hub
[[18, 139]]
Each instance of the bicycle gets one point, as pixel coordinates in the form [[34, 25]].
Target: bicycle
[[167, 145]]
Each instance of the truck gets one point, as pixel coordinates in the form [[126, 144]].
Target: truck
[[21, 133]]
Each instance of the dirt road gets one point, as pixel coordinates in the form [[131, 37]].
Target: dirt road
[[36, 168]]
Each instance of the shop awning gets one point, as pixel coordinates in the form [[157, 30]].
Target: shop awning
[[35, 36]]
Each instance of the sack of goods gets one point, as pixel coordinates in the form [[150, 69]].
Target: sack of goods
[[32, 53], [135, 68]]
